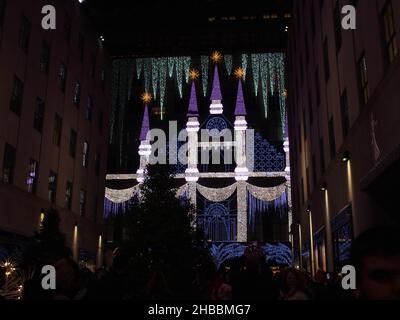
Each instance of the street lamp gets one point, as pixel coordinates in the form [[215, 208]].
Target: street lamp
[[346, 156]]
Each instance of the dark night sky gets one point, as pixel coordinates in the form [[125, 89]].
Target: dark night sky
[[183, 27]]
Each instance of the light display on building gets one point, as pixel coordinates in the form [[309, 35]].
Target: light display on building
[[260, 175]]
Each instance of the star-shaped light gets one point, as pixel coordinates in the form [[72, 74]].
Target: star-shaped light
[[146, 97], [239, 73], [216, 57], [194, 74]]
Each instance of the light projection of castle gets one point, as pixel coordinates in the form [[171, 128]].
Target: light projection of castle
[[236, 201]]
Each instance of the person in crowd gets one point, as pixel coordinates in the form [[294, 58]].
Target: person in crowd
[[375, 255], [157, 287], [254, 281], [67, 279], [319, 286], [293, 286], [222, 288], [114, 284]]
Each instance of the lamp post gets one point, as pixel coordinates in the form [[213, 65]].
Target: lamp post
[[309, 212], [300, 246]]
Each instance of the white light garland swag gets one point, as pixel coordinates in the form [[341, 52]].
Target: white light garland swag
[[181, 190], [217, 195], [121, 196], [266, 194]]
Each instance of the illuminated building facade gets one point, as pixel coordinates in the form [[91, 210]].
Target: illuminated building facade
[[236, 201]]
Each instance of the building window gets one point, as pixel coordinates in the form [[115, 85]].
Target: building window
[[97, 161], [45, 58], [93, 65], [311, 111], [342, 237], [95, 207], [16, 96], [103, 79], [72, 143], [77, 93], [317, 88], [39, 115], [89, 108], [85, 159], [322, 155], [314, 170], [313, 27], [82, 202], [2, 11], [326, 61], [344, 106], [101, 120], [62, 76], [390, 32], [363, 79], [338, 26], [332, 143], [52, 186], [300, 139], [9, 163], [32, 179], [81, 47], [68, 195], [307, 48], [24, 34], [67, 28], [57, 130]]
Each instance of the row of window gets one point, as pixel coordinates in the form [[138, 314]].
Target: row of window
[[25, 34], [362, 75], [391, 50], [264, 17], [32, 177], [16, 104]]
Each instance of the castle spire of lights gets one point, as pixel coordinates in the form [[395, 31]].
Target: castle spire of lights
[[216, 106], [193, 108], [145, 146], [216, 89], [240, 109], [145, 124]]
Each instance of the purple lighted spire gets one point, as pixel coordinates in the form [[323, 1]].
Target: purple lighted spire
[[216, 90], [193, 109], [145, 124], [240, 108]]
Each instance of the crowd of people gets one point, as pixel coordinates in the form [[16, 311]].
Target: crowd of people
[[375, 255]]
